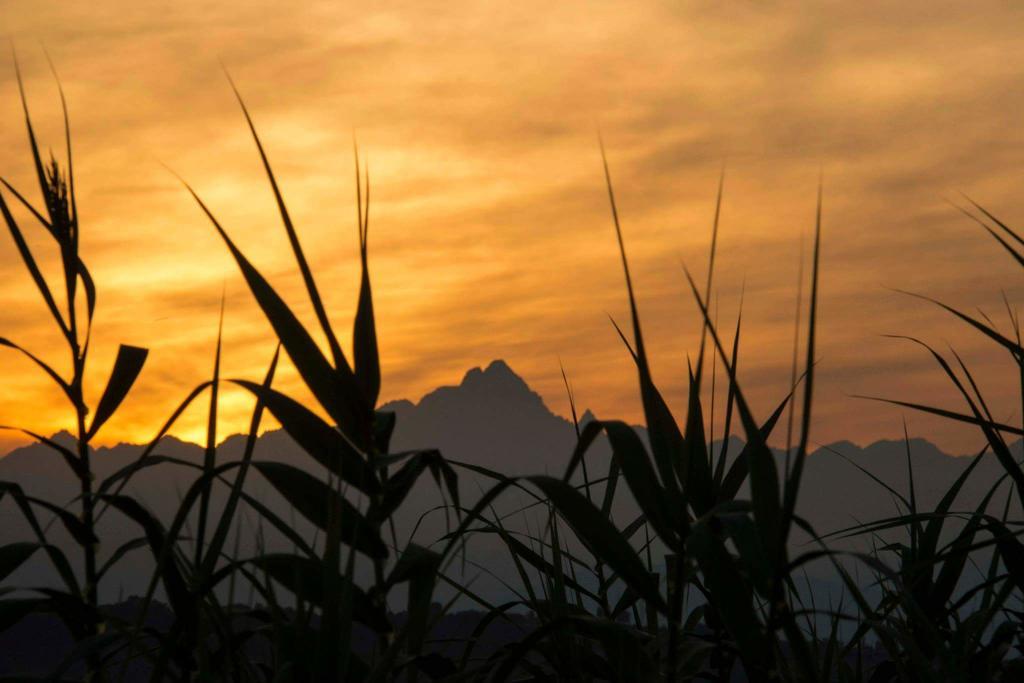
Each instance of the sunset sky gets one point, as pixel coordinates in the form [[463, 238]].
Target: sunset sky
[[490, 233]]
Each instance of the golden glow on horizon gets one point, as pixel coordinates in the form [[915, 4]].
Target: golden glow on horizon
[[490, 235]]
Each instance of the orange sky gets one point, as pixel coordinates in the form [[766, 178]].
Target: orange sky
[[490, 233]]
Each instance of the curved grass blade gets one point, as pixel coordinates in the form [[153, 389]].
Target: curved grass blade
[[72, 460], [792, 484], [58, 380], [401, 482], [320, 503], [121, 477], [740, 467], [325, 444], [57, 557], [121, 551], [600, 536], [1010, 345], [364, 336], [80, 267], [948, 414], [591, 525], [335, 391], [695, 470], [13, 555], [33, 269], [127, 367], [632, 458], [293, 238], [417, 566], [210, 452], [174, 583], [764, 478], [666, 439], [228, 514]]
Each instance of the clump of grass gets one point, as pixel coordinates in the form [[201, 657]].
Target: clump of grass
[[734, 553], [362, 487], [930, 623], [71, 306]]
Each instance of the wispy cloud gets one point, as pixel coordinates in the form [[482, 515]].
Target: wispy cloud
[[489, 228]]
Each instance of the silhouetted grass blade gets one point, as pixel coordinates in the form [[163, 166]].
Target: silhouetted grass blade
[[417, 566], [764, 478], [170, 574], [740, 467], [228, 514], [666, 439], [401, 482], [319, 503], [127, 367], [603, 539], [634, 463], [340, 363], [383, 429], [210, 451], [695, 469], [79, 266], [364, 335], [13, 610], [57, 379], [322, 442], [13, 555], [30, 263], [343, 402], [57, 557]]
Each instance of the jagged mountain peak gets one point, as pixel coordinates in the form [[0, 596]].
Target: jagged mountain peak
[[497, 376], [64, 438], [496, 387]]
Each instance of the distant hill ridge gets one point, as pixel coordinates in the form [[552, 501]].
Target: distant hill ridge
[[492, 418], [498, 394]]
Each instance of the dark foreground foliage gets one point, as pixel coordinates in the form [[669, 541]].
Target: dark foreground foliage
[[704, 583]]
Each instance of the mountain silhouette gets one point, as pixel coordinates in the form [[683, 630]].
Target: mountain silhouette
[[491, 419]]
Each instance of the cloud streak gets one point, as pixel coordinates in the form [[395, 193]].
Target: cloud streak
[[490, 234]]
